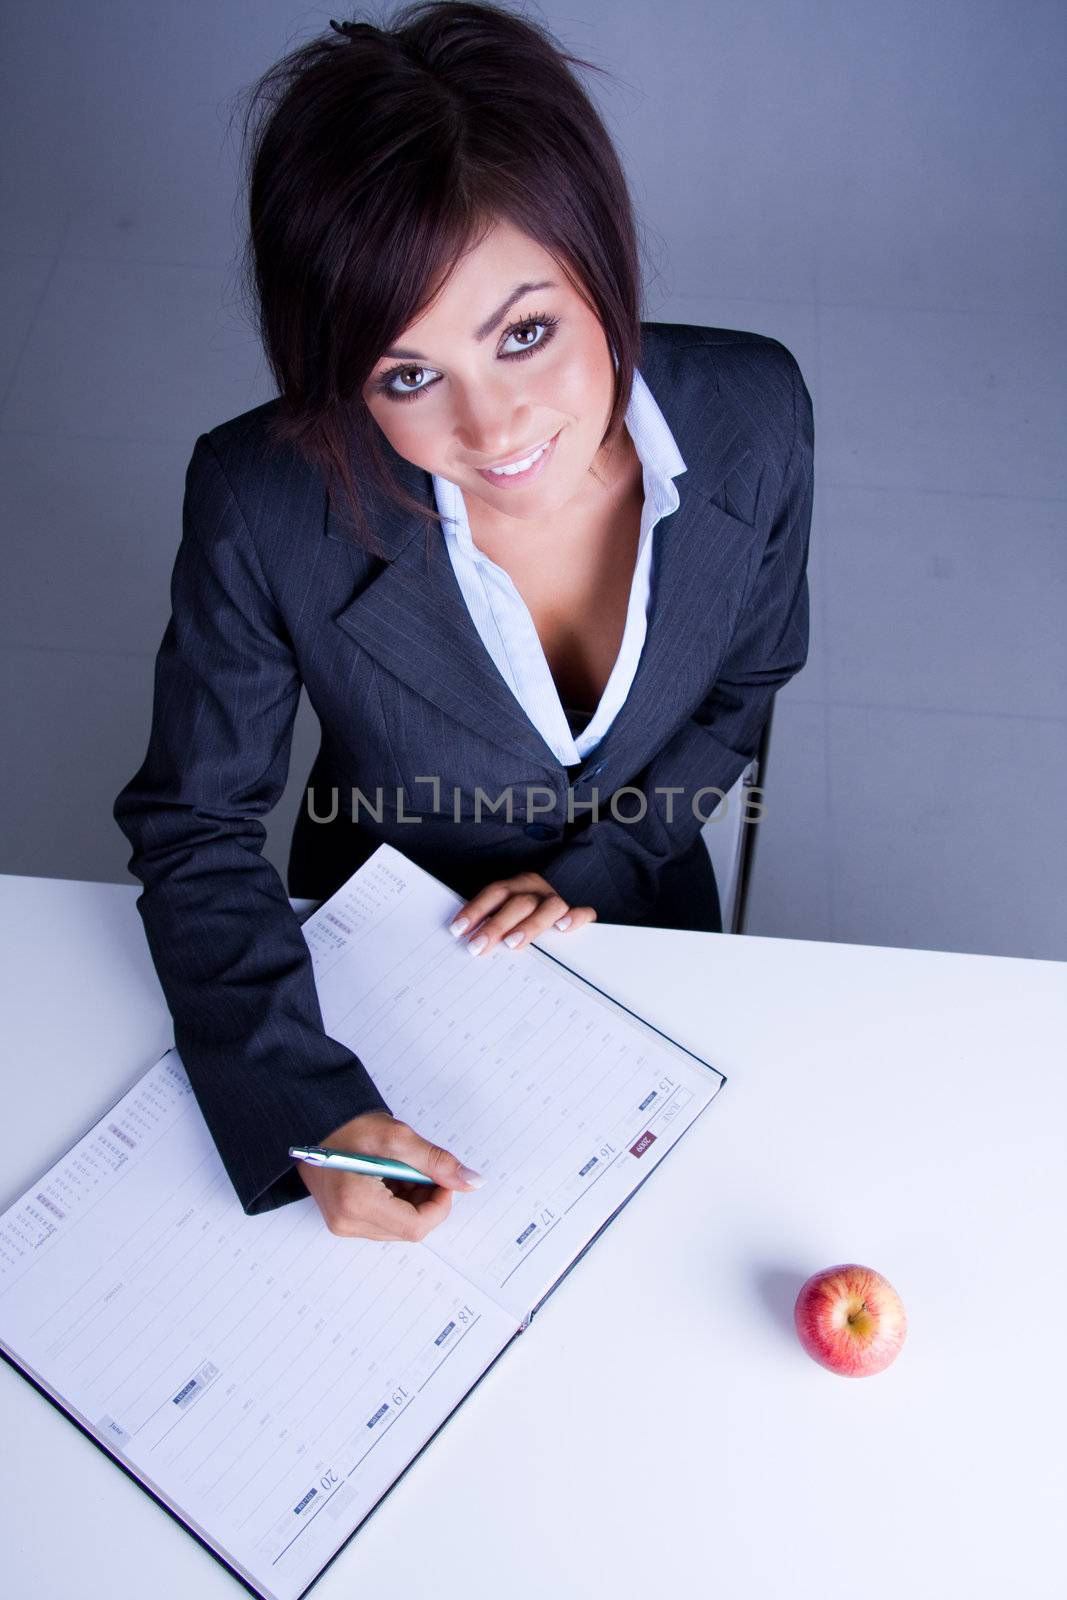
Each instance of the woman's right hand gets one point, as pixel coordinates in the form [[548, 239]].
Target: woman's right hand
[[357, 1206]]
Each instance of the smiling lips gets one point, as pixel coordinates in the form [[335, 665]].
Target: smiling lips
[[520, 471]]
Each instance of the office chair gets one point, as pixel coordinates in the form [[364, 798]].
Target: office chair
[[731, 840]]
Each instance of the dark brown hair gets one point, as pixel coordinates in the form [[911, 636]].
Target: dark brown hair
[[378, 155]]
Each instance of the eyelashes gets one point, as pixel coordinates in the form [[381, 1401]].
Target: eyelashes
[[549, 324]]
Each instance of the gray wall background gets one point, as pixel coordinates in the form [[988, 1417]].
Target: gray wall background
[[874, 182]]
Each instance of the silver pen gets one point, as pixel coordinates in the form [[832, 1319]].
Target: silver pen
[[348, 1161]]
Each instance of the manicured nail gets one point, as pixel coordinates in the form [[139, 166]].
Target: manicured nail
[[456, 928], [564, 922], [513, 939], [468, 1175], [476, 946]]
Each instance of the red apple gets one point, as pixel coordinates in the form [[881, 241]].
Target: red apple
[[851, 1320]]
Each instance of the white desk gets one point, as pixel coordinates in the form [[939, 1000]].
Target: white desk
[[659, 1426]]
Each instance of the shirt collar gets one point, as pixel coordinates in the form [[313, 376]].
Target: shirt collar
[[656, 448], [655, 445]]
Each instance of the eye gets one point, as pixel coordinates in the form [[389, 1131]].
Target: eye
[[407, 392], [530, 325], [385, 384]]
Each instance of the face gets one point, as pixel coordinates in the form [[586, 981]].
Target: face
[[485, 376]]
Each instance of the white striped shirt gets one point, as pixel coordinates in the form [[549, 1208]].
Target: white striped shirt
[[502, 617]]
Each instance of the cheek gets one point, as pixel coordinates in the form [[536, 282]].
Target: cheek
[[581, 385], [415, 438]]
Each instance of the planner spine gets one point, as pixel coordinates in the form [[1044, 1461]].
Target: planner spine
[[623, 1203]]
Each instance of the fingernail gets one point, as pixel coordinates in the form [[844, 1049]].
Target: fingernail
[[468, 1175], [564, 922], [456, 928], [476, 946], [513, 939]]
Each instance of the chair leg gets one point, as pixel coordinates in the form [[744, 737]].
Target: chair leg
[[750, 829]]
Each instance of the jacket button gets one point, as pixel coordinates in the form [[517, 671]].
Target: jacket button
[[541, 830]]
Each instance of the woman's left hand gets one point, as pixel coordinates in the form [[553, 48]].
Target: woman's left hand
[[516, 910]]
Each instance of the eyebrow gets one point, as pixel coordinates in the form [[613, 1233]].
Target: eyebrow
[[486, 328]]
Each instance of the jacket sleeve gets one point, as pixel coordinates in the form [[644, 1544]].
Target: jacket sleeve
[[231, 958], [613, 866]]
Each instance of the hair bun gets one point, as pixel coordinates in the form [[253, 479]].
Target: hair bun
[[349, 29]]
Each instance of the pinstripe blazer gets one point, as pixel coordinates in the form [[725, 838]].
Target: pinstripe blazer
[[270, 591]]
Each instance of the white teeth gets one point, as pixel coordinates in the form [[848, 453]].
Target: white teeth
[[519, 466]]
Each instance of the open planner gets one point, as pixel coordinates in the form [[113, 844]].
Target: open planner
[[266, 1381]]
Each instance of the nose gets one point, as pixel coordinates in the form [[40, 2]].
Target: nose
[[492, 422]]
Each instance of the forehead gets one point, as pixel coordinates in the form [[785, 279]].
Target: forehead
[[484, 274]]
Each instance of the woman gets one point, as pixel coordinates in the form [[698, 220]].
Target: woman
[[541, 699]]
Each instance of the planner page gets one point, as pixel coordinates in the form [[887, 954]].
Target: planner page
[[266, 1380], [560, 1096]]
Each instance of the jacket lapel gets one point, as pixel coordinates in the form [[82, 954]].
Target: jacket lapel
[[412, 618]]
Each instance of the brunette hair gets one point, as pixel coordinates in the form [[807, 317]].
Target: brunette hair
[[378, 155]]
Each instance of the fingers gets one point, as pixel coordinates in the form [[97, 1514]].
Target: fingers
[[515, 911], [517, 931], [360, 1207], [521, 918], [379, 1133], [576, 917], [357, 1205], [441, 1165], [486, 901], [417, 1213]]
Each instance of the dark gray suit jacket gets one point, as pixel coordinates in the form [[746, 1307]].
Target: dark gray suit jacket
[[271, 591]]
